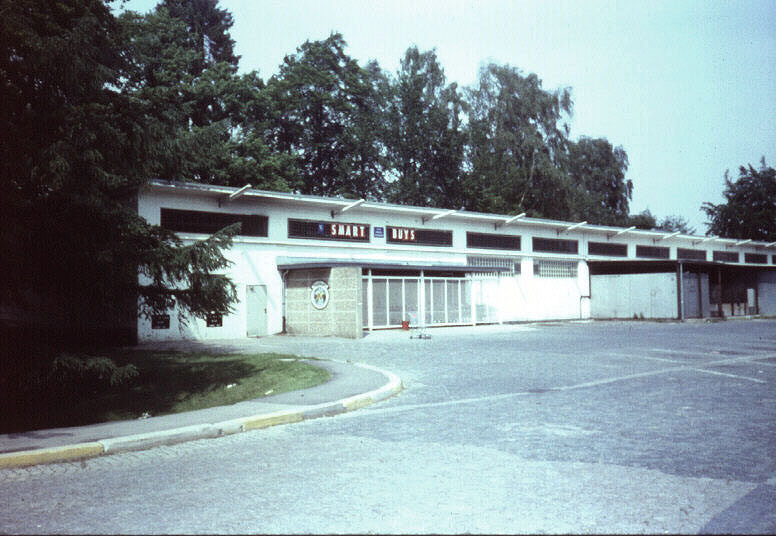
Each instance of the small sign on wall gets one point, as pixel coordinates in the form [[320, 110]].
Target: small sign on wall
[[160, 321], [379, 232], [319, 294]]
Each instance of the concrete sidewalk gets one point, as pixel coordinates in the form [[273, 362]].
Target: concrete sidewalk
[[351, 386]]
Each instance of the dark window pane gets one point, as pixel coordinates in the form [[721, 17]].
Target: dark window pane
[[755, 258], [492, 241], [607, 248], [554, 245], [691, 254], [725, 256], [196, 221], [652, 252]]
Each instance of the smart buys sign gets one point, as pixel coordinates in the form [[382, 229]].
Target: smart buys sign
[[421, 237], [321, 230], [401, 234], [349, 230]]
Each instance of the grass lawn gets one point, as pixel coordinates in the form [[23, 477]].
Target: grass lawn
[[167, 382]]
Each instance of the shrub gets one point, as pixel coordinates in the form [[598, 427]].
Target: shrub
[[76, 374]]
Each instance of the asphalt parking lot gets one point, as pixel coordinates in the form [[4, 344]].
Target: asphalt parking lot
[[551, 427]]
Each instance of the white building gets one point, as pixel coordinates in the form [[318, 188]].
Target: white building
[[331, 266]]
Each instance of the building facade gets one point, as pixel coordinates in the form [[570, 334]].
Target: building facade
[[331, 266]]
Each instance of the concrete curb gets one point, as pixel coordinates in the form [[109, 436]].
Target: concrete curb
[[202, 431]]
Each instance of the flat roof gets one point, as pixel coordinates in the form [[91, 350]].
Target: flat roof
[[339, 205]]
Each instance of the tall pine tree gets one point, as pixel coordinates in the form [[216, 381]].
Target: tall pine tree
[[75, 151], [211, 121]]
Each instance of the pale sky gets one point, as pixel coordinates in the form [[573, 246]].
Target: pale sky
[[687, 88]]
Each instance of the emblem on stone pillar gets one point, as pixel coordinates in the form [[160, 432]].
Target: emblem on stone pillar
[[319, 294]]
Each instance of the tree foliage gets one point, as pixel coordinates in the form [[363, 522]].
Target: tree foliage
[[749, 210], [598, 172], [210, 121], [518, 138], [76, 147], [323, 106], [673, 223], [207, 31], [425, 134], [643, 220]]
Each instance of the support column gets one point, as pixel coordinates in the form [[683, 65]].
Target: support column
[[422, 304], [370, 301], [700, 294], [472, 305], [680, 285]]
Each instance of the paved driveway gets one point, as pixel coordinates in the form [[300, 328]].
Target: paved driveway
[[580, 427]]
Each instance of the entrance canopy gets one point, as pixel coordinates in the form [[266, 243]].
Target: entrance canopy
[[293, 263]]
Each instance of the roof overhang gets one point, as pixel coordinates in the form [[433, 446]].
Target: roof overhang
[[631, 266], [339, 205], [299, 263]]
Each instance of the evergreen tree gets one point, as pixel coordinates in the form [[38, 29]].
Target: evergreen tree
[[211, 121], [74, 153], [207, 31]]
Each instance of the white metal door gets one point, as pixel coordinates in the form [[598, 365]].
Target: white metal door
[[256, 305]]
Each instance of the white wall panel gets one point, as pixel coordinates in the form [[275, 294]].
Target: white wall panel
[[626, 295], [766, 293]]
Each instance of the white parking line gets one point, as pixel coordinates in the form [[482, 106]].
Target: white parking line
[[663, 359], [729, 375], [673, 351], [715, 351], [583, 385]]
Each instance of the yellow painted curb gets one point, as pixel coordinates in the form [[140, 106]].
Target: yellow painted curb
[[358, 403], [266, 422], [55, 454]]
